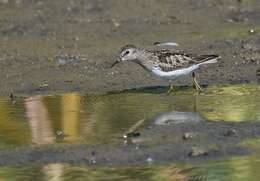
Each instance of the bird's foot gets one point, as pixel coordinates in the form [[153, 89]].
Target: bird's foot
[[171, 90], [195, 83]]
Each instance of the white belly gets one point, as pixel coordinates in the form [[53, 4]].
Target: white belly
[[174, 74]]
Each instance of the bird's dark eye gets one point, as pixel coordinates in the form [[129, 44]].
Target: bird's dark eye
[[125, 53]]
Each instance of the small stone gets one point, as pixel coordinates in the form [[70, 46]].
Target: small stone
[[195, 151], [187, 136], [115, 23], [251, 31], [149, 160], [231, 132]]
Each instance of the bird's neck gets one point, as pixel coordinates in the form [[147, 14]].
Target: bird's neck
[[144, 59]]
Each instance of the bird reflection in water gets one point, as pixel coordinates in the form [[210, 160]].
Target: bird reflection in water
[[175, 117]]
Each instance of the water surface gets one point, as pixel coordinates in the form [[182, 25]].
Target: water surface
[[74, 118], [95, 118], [234, 169]]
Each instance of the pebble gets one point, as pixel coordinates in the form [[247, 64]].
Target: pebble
[[149, 160], [187, 136], [231, 132], [195, 151], [251, 31]]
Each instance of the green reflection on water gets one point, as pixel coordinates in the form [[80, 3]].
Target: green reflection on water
[[235, 169], [95, 119], [232, 103]]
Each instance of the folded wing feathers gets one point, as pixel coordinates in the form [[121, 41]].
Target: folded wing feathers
[[204, 58], [175, 61]]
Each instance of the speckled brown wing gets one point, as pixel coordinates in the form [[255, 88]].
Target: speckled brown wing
[[169, 60]]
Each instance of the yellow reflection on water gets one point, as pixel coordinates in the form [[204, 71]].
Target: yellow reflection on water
[[64, 172], [234, 169], [12, 124], [231, 103], [43, 124], [70, 116], [95, 119]]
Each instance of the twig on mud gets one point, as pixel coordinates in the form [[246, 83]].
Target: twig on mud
[[132, 130]]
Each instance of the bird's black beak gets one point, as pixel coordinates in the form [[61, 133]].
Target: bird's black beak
[[116, 62]]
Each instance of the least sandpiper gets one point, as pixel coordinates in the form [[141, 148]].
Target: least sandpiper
[[166, 63]]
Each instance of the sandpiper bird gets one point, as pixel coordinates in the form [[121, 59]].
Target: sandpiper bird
[[166, 63]]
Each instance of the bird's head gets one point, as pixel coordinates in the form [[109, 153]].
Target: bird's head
[[127, 53]]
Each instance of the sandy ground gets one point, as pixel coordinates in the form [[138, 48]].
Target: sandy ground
[[60, 46]]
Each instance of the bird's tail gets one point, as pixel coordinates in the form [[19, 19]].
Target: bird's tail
[[210, 59]]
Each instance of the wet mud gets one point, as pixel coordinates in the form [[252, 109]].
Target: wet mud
[[49, 47], [207, 141]]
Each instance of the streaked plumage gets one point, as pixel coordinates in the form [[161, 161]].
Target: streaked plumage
[[166, 63]]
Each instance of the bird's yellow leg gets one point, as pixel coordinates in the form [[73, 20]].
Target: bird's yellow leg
[[195, 83], [171, 89]]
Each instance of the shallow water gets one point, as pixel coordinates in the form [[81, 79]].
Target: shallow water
[[235, 169], [91, 119]]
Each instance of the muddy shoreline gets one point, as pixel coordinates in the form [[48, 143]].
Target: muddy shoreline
[[214, 140], [63, 47]]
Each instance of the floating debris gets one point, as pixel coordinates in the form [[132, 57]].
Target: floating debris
[[195, 151], [132, 132]]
